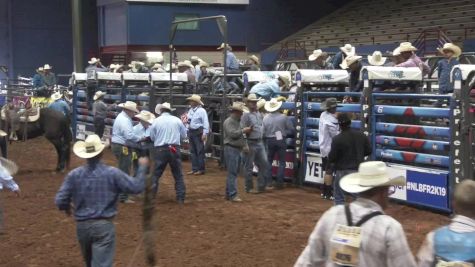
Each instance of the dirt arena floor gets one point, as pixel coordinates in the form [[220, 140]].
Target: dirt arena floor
[[265, 230]]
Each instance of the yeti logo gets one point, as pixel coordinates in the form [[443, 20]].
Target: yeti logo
[[396, 74], [326, 77]]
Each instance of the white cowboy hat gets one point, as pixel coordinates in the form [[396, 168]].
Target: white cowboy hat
[[47, 67], [261, 103], [255, 59], [157, 109], [273, 105], [93, 60], [452, 47], [222, 46], [146, 116], [195, 58], [129, 105], [370, 174], [396, 52], [3, 133], [56, 96], [348, 61], [284, 78], [204, 64], [98, 95], [167, 68], [166, 105], [40, 69], [195, 98], [185, 63], [376, 59], [10, 166], [156, 66], [132, 64], [89, 148], [239, 106], [316, 54], [406, 47], [252, 97], [348, 49]]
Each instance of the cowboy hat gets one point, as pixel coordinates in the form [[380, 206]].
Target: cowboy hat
[[396, 52], [451, 47], [284, 78], [238, 106], [406, 47], [167, 106], [3, 133], [195, 58], [370, 174], [93, 60], [316, 54], [204, 64], [9, 166], [348, 61], [98, 95], [195, 98], [47, 67], [56, 96], [129, 105], [40, 69], [252, 97], [329, 103], [261, 103], [185, 63], [156, 66], [255, 59], [88, 148], [145, 116], [348, 49], [273, 105], [157, 109], [167, 68], [376, 59], [222, 46]]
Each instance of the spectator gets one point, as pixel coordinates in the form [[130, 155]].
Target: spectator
[[232, 63], [99, 111], [319, 58], [38, 81], [195, 61], [186, 67], [444, 67], [254, 63], [411, 59], [354, 66], [49, 78], [379, 239], [345, 51], [95, 65]]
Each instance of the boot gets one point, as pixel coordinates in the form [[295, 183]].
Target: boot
[[324, 191]]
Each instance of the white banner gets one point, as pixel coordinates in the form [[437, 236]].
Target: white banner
[[218, 2], [314, 170], [401, 192]]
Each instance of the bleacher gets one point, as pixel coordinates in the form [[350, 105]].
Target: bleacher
[[377, 22]]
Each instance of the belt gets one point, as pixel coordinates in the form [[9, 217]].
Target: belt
[[167, 146], [254, 140], [236, 147], [118, 144]]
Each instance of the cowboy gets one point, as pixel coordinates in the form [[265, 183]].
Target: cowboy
[[186, 67], [327, 129], [205, 76], [276, 128], [411, 59], [252, 126], [142, 130], [7, 169], [137, 67], [354, 66], [173, 68], [396, 57], [377, 59], [38, 78], [122, 132], [451, 52], [348, 149], [195, 62], [454, 244], [377, 239], [254, 63], [116, 68], [166, 133], [198, 129], [49, 78], [232, 63], [93, 190], [59, 104], [345, 51], [99, 111], [320, 60], [270, 89], [95, 65], [157, 67], [234, 144]]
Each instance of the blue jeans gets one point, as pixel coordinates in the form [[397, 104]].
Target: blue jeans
[[164, 156], [197, 152], [97, 241], [124, 162], [232, 157], [338, 193], [278, 147], [257, 154]]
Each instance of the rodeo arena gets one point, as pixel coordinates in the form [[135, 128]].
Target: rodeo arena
[[237, 133]]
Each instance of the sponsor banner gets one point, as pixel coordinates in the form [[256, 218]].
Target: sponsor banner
[[400, 192], [289, 165], [81, 132], [220, 2], [313, 169]]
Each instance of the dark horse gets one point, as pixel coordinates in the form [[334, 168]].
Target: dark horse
[[55, 127]]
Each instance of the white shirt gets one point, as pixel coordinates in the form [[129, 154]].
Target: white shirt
[[383, 242], [327, 129]]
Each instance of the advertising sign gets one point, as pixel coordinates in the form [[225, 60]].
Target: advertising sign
[[289, 165], [313, 169]]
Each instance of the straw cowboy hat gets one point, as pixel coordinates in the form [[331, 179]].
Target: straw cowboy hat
[[47, 67], [329, 103], [145, 116], [222, 46], [93, 60], [167, 106], [261, 103], [316, 54], [285, 79], [273, 105], [406, 47], [255, 59], [348, 61], [129, 105], [376, 59], [98, 95], [396, 52], [451, 47], [156, 66], [238, 106], [204, 64], [56, 96], [157, 109], [195, 98], [348, 49], [252, 98], [195, 58], [89, 148], [185, 63], [370, 174]]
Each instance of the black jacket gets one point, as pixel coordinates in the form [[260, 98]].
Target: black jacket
[[348, 150]]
